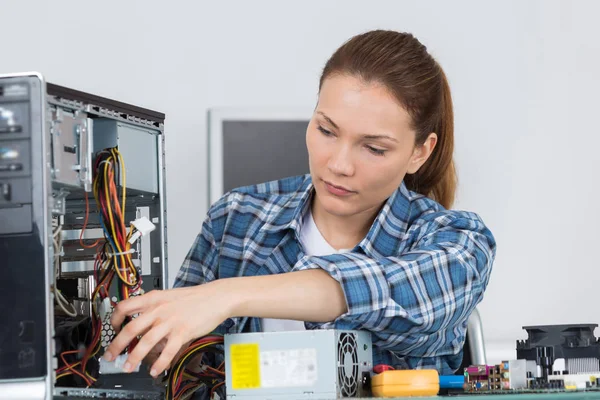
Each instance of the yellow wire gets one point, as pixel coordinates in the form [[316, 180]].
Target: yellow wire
[[116, 242], [71, 373], [109, 208], [123, 173], [188, 376], [124, 260], [110, 213], [190, 353], [186, 394], [73, 366], [116, 155], [172, 379], [64, 374], [71, 369]]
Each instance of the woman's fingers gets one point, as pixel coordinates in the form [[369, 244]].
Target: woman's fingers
[[181, 350], [133, 329], [153, 354], [170, 315], [146, 344], [138, 304], [127, 308], [170, 351]]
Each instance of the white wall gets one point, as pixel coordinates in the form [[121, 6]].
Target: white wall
[[524, 79]]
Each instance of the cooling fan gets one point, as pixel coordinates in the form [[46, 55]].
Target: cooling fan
[[348, 366]]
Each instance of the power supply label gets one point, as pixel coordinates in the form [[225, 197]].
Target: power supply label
[[288, 368], [245, 366]]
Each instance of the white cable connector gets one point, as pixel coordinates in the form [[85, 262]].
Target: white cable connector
[[115, 366], [123, 253], [104, 309], [143, 227]]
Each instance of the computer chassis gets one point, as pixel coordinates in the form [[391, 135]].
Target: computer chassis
[[82, 225]]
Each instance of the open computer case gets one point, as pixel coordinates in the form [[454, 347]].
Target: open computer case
[[82, 226]]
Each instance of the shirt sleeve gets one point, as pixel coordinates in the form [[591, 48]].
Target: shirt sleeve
[[200, 264], [412, 303], [199, 267]]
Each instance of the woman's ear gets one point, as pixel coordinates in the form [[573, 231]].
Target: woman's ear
[[421, 153]]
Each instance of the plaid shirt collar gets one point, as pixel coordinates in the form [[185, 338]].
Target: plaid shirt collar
[[393, 217]]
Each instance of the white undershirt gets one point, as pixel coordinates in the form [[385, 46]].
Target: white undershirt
[[314, 245]]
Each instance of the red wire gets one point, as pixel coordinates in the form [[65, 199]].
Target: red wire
[[97, 323], [212, 391], [97, 263], [185, 388], [113, 193], [96, 338], [216, 371], [85, 222], [61, 369], [203, 340], [62, 356]]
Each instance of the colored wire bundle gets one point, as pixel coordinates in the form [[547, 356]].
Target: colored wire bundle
[[109, 165], [184, 380], [113, 258], [79, 366]]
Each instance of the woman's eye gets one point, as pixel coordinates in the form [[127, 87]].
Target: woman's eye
[[376, 151], [324, 131]]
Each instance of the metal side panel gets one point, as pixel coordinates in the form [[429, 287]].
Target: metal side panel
[[25, 254], [162, 187]]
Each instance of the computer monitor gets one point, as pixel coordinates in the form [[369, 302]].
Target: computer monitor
[[248, 146]]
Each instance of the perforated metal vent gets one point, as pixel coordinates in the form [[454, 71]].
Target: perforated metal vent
[[108, 333], [347, 355]]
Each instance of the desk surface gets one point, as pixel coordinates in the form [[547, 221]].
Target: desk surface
[[528, 396], [582, 395], [591, 395]]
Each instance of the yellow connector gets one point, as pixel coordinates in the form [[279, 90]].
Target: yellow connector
[[406, 383]]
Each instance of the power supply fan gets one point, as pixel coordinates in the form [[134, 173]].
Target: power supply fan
[[347, 365]]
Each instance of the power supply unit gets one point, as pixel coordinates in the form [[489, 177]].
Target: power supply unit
[[314, 364]]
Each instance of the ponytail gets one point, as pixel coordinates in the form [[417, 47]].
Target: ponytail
[[437, 177]]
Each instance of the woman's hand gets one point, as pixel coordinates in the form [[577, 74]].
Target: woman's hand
[[177, 316], [184, 314], [155, 352]]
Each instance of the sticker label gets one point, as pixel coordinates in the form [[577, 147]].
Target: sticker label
[[288, 368], [245, 366]]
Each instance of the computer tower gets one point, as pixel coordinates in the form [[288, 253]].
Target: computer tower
[[82, 193]]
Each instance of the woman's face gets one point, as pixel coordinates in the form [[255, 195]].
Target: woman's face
[[360, 146]]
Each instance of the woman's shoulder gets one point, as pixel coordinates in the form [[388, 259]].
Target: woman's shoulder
[[428, 216], [425, 210]]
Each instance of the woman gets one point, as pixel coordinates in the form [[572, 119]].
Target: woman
[[366, 241]]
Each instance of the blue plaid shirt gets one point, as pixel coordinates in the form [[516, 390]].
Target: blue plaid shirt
[[412, 281]]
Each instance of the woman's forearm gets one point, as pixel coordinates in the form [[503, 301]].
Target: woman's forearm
[[311, 295]]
